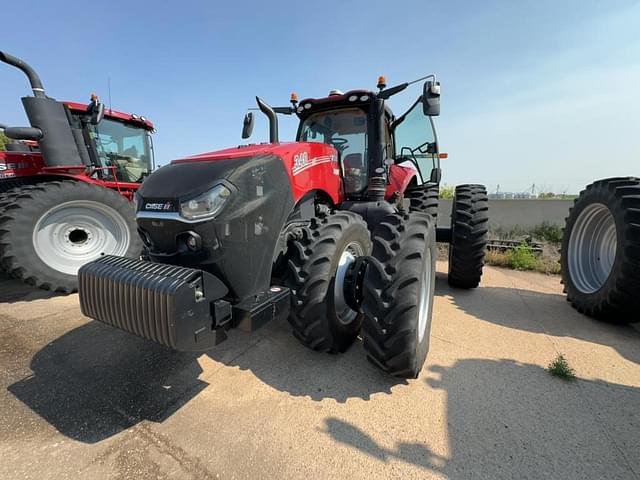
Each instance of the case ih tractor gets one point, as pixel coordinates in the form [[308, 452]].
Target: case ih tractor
[[335, 231], [65, 186], [600, 255]]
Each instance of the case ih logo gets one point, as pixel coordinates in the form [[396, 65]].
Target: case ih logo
[[13, 166], [302, 162], [158, 206]]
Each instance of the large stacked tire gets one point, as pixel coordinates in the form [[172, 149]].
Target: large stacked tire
[[49, 230], [317, 265], [424, 198], [398, 293], [469, 229], [600, 256]]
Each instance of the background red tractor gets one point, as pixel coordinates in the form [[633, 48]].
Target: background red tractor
[[65, 186], [336, 231]]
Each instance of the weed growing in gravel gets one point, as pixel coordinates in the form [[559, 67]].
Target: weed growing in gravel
[[560, 368], [522, 258]]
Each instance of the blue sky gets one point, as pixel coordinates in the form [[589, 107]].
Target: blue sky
[[543, 92]]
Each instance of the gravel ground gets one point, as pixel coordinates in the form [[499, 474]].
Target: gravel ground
[[81, 400]]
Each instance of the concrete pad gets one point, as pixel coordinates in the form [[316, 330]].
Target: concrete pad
[[82, 400]]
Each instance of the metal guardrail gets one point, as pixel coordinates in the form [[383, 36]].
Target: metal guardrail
[[505, 245]]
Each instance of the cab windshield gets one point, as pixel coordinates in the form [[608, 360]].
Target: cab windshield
[[346, 130], [415, 141], [123, 146]]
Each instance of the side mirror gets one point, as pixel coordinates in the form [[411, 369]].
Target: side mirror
[[247, 125], [431, 98], [436, 175], [96, 110]]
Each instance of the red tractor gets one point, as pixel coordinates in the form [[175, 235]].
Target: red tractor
[[65, 186], [335, 231]]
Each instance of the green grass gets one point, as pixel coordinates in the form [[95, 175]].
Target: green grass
[[447, 192], [522, 258], [560, 368]]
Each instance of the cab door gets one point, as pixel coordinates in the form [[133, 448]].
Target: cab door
[[416, 143]]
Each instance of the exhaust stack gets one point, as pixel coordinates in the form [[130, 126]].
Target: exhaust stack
[[60, 144], [34, 79]]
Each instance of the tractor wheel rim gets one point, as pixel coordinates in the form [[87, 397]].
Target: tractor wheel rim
[[344, 313], [592, 248], [425, 294], [76, 232]]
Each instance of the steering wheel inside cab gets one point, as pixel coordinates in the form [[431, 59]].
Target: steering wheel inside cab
[[338, 143]]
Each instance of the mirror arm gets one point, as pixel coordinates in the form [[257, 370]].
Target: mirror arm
[[284, 110]]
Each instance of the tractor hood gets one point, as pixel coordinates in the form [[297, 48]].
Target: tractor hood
[[195, 174], [278, 149]]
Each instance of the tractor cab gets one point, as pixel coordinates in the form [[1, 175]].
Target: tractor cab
[[119, 145], [369, 139]]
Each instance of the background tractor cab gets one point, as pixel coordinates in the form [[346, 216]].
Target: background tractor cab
[[90, 142], [371, 142]]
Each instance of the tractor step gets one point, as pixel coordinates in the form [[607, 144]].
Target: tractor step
[[254, 313], [181, 308]]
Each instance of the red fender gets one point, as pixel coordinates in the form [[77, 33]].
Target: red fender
[[399, 179]]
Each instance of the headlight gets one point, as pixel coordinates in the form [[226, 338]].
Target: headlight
[[206, 205]]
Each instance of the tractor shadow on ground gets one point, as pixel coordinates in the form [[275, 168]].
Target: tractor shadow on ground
[[95, 381], [12, 290], [283, 363], [544, 313], [505, 419]]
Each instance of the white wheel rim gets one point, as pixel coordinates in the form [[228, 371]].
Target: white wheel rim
[[426, 292], [73, 233], [344, 313], [592, 248]]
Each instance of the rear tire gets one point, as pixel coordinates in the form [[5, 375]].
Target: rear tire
[[398, 293], [49, 230], [600, 256], [315, 272], [10, 184], [424, 198], [469, 229]]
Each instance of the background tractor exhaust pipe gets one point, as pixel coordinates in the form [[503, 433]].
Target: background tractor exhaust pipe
[[34, 79]]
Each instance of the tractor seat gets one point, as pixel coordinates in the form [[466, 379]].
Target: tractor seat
[[353, 161]]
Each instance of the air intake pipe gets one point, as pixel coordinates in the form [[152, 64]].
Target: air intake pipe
[[34, 79]]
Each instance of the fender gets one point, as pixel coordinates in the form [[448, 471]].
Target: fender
[[399, 179]]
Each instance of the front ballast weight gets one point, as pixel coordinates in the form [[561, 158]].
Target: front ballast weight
[[180, 308]]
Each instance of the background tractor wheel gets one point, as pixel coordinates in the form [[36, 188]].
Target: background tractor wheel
[[600, 254], [316, 269], [469, 228], [6, 185], [424, 198], [49, 230], [398, 293]]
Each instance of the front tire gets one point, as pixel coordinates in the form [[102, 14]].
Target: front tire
[[600, 256], [316, 269], [398, 293], [49, 230], [469, 230], [424, 198]]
